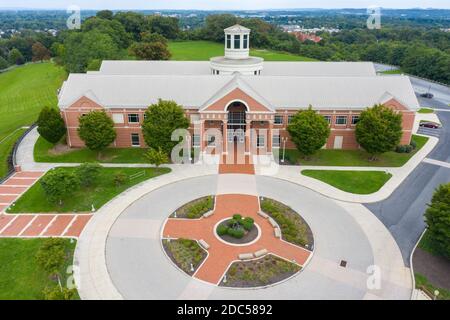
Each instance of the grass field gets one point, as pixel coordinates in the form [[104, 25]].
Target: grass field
[[42, 153], [204, 50], [21, 277], [357, 158], [359, 182], [396, 71], [35, 200], [24, 91], [6, 146], [425, 110]]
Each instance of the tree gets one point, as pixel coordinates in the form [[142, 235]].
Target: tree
[[88, 173], [97, 131], [150, 51], [3, 63], [437, 218], [40, 52], [105, 14], [51, 125], [15, 57], [309, 131], [156, 156], [161, 120], [58, 184], [51, 255], [94, 65], [153, 37], [165, 26], [379, 130], [114, 29]]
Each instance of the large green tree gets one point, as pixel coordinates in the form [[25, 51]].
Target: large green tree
[[161, 120], [309, 131], [51, 125], [59, 184], [379, 130], [16, 57], [150, 51], [97, 130], [437, 218]]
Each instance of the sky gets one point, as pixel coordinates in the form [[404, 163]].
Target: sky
[[221, 4]]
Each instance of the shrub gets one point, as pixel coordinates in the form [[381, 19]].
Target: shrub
[[404, 148], [57, 293], [199, 208], [237, 217], [222, 230], [51, 255], [237, 233], [413, 144], [248, 223], [88, 173], [120, 178], [51, 125], [156, 156], [58, 184]]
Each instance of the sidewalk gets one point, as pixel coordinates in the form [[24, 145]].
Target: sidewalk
[[293, 174]]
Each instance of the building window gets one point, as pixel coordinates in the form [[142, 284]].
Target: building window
[[237, 41], [196, 140], [278, 119], [328, 119], [133, 118], [117, 118], [341, 120], [276, 141], [135, 140], [256, 73], [195, 118], [355, 119], [228, 41], [245, 41], [260, 141], [290, 117]]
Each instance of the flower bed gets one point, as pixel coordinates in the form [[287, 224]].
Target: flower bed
[[195, 209], [186, 254]]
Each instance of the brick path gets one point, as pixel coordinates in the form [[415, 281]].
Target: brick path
[[221, 255], [34, 225]]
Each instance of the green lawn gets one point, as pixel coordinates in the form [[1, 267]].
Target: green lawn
[[43, 153], [24, 91], [425, 110], [359, 182], [357, 158], [423, 283], [396, 71], [204, 50], [21, 277], [6, 146], [35, 201]]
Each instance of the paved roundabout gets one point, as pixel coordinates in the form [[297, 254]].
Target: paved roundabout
[[121, 255]]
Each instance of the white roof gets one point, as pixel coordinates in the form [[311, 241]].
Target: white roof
[[194, 91], [237, 28], [305, 69]]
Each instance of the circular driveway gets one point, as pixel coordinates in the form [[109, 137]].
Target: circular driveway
[[139, 269]]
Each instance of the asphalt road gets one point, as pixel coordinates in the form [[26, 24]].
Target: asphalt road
[[402, 213]]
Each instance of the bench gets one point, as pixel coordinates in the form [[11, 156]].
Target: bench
[[261, 253], [277, 232], [246, 256], [273, 223], [203, 244], [262, 214], [208, 214]]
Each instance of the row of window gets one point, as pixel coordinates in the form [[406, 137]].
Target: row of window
[[237, 41], [260, 140], [339, 120]]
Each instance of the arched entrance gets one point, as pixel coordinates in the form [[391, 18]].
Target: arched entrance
[[236, 124]]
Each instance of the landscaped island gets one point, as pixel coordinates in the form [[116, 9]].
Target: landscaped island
[[194, 209], [186, 254]]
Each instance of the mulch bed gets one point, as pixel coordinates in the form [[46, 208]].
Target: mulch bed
[[435, 268]]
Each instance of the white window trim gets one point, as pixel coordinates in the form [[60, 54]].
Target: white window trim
[[139, 139], [340, 124]]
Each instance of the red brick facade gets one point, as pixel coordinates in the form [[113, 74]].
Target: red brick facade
[[258, 116]]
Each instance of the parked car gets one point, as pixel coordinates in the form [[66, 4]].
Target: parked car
[[432, 125], [427, 95]]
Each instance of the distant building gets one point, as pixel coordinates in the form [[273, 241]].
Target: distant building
[[248, 100], [302, 36]]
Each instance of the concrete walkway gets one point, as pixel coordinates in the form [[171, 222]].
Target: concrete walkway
[[115, 263]]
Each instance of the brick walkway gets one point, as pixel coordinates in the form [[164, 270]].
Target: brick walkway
[[221, 255], [34, 225]]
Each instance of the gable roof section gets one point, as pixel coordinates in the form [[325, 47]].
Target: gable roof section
[[237, 83]]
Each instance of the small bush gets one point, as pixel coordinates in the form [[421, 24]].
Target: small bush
[[248, 223], [406, 148], [57, 293], [222, 230], [236, 233], [237, 217], [199, 208], [88, 173], [51, 255], [120, 178], [413, 144]]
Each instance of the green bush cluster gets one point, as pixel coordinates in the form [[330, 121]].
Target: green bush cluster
[[185, 252], [196, 210], [236, 227], [406, 148], [120, 178]]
